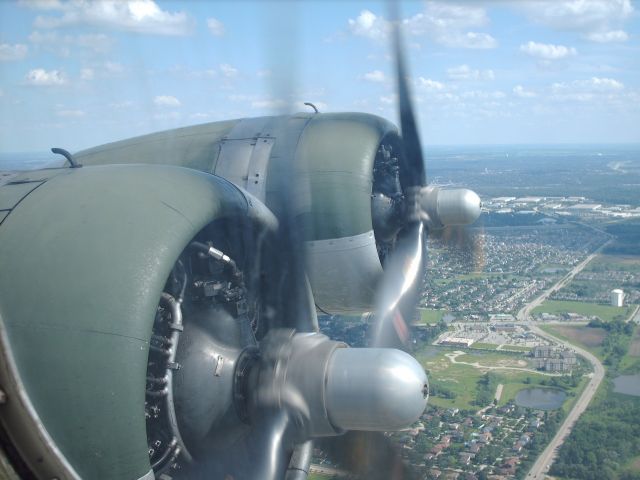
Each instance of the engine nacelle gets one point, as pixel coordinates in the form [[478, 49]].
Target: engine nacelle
[[340, 163]]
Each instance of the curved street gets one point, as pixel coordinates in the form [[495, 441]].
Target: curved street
[[543, 463], [541, 466]]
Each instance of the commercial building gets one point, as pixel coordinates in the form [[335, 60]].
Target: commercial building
[[456, 341]]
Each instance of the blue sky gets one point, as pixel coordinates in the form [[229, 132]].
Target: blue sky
[[79, 73]]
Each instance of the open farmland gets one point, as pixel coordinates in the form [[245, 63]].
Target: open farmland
[[588, 338]]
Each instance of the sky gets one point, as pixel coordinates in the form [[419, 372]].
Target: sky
[[80, 73]]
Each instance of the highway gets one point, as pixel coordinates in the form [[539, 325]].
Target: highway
[[541, 466], [546, 458]]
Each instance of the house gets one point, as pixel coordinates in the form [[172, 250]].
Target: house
[[465, 457], [437, 449]]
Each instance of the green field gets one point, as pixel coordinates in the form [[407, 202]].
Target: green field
[[493, 346], [461, 381], [431, 316], [617, 263], [318, 476], [604, 312], [630, 363]]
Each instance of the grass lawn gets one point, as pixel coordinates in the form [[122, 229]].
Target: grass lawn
[[462, 380], [318, 476], [582, 336], [484, 346], [516, 348], [605, 312], [431, 316], [506, 348], [630, 363], [618, 263]]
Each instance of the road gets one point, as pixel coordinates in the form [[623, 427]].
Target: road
[[525, 312], [546, 458]]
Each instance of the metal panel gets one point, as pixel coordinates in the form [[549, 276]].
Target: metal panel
[[257, 174], [344, 273], [11, 194], [244, 155], [234, 159], [6, 177]]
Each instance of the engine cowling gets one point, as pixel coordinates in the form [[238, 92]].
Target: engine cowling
[[340, 162]]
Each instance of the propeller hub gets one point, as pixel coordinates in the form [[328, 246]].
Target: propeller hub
[[328, 388], [442, 207]]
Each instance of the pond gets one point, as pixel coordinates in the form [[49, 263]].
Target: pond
[[541, 398], [628, 384]]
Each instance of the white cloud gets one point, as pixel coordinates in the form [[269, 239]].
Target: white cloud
[[215, 26], [121, 105], [464, 72], [610, 36], [375, 76], [445, 23], [166, 101], [369, 25], [42, 78], [429, 85], [263, 73], [269, 104], [228, 71], [596, 20], [604, 83], [587, 90], [41, 4], [113, 68], [71, 113], [167, 116], [199, 116], [449, 25], [520, 91], [547, 51], [62, 44], [389, 99], [97, 42], [141, 16], [278, 104], [87, 74], [12, 52], [483, 94]]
